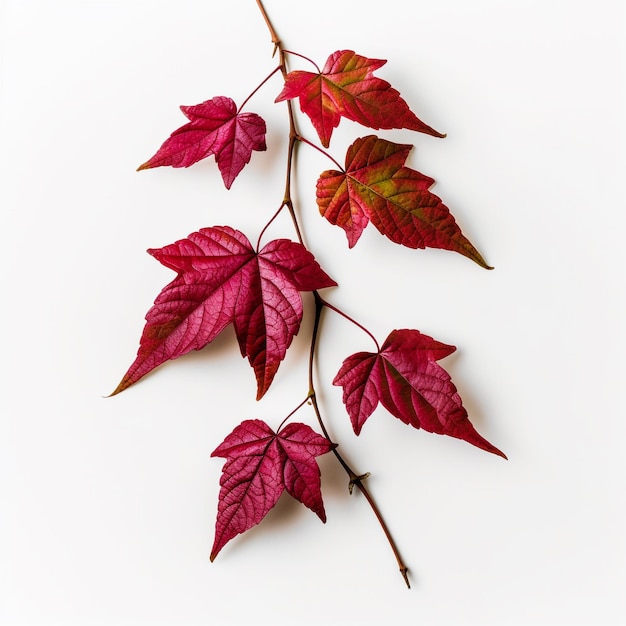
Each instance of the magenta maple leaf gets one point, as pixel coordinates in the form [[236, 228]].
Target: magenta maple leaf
[[377, 187], [222, 279], [346, 87], [215, 127], [405, 378], [261, 465]]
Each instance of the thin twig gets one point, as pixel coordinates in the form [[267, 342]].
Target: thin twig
[[355, 479]]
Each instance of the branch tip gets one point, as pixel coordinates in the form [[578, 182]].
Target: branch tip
[[405, 574]]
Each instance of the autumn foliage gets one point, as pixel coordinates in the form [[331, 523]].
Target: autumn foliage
[[222, 279], [347, 87], [260, 465], [217, 128]]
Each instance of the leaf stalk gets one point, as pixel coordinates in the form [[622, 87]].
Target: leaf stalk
[[243, 104], [352, 321], [326, 154]]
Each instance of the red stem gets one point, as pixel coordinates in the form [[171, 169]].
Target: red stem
[[258, 87], [355, 479], [258, 242], [351, 320], [293, 413], [310, 143], [297, 54]]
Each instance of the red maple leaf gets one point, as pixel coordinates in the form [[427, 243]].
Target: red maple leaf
[[405, 378], [222, 279], [346, 87], [377, 187], [215, 127], [261, 465]]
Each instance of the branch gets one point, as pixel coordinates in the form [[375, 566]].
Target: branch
[[355, 479]]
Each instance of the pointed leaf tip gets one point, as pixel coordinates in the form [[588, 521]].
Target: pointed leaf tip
[[475, 256], [124, 384]]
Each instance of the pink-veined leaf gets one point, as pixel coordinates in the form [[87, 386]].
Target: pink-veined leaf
[[217, 128], [405, 378], [376, 187], [222, 279], [260, 465], [346, 87]]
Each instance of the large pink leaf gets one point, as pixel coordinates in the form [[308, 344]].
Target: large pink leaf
[[405, 378], [221, 279], [260, 465], [347, 87], [217, 128], [377, 187]]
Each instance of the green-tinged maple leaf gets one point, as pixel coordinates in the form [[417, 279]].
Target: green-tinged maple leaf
[[376, 187], [346, 87]]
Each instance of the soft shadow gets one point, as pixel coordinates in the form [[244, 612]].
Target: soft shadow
[[285, 511], [472, 406]]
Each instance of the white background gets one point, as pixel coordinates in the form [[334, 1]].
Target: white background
[[107, 506]]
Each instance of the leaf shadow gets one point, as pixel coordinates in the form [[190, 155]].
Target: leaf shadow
[[288, 510], [335, 481], [224, 344], [273, 525], [474, 409]]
